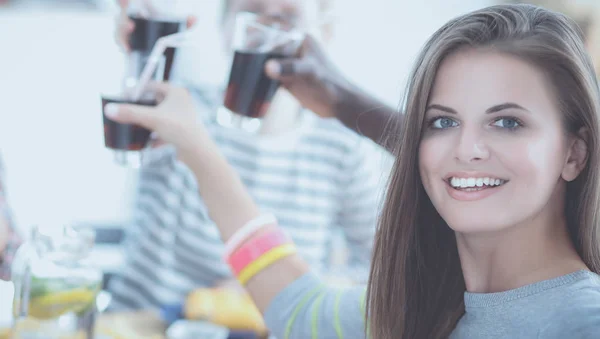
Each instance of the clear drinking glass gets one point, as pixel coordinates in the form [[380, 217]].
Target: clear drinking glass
[[249, 90], [128, 142], [55, 287]]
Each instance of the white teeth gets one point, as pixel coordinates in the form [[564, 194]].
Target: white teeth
[[471, 182], [479, 182], [474, 182]]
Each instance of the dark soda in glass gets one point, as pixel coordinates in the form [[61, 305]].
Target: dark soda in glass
[[145, 35], [125, 137], [250, 91]]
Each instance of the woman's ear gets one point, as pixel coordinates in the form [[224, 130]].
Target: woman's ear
[[577, 155]]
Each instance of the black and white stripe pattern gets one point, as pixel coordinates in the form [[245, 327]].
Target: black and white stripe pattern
[[314, 181]]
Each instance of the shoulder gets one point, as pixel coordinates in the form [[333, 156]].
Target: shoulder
[[579, 314]]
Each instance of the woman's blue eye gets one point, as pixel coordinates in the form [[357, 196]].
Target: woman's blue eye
[[443, 122], [509, 123]]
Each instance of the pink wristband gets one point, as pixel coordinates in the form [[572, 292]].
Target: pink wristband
[[255, 248], [246, 231]]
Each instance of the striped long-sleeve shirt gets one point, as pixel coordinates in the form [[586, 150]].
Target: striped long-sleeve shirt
[[563, 307], [13, 240], [315, 179]]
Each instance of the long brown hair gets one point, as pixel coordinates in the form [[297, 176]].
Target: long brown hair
[[416, 284]]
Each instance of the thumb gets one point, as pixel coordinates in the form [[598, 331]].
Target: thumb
[[289, 69], [143, 116]]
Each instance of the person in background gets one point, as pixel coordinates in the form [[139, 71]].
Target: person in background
[[312, 78], [9, 237], [490, 227], [313, 174]]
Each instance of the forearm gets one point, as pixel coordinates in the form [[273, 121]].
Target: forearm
[[230, 206], [368, 116], [228, 203], [310, 309]]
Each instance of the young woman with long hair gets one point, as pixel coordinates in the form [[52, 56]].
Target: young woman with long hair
[[490, 228]]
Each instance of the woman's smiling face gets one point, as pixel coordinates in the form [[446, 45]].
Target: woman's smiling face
[[494, 152]]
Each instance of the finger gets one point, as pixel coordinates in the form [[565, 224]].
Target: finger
[[289, 69], [191, 21], [129, 25], [157, 142], [310, 44], [125, 27], [132, 114], [160, 90], [123, 3], [122, 42]]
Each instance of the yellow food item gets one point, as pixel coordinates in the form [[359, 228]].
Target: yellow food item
[[199, 304], [229, 308], [5, 333], [55, 304]]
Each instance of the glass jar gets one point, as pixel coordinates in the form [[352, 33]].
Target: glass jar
[[55, 287]]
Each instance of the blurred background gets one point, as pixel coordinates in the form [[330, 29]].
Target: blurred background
[[57, 56]]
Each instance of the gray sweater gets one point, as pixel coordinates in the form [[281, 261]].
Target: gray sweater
[[559, 308]]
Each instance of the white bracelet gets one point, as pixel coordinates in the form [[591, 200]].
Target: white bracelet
[[246, 231]]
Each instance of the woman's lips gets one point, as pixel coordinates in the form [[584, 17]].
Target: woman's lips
[[473, 193]]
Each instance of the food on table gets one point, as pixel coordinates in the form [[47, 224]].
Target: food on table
[[226, 307], [51, 298]]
